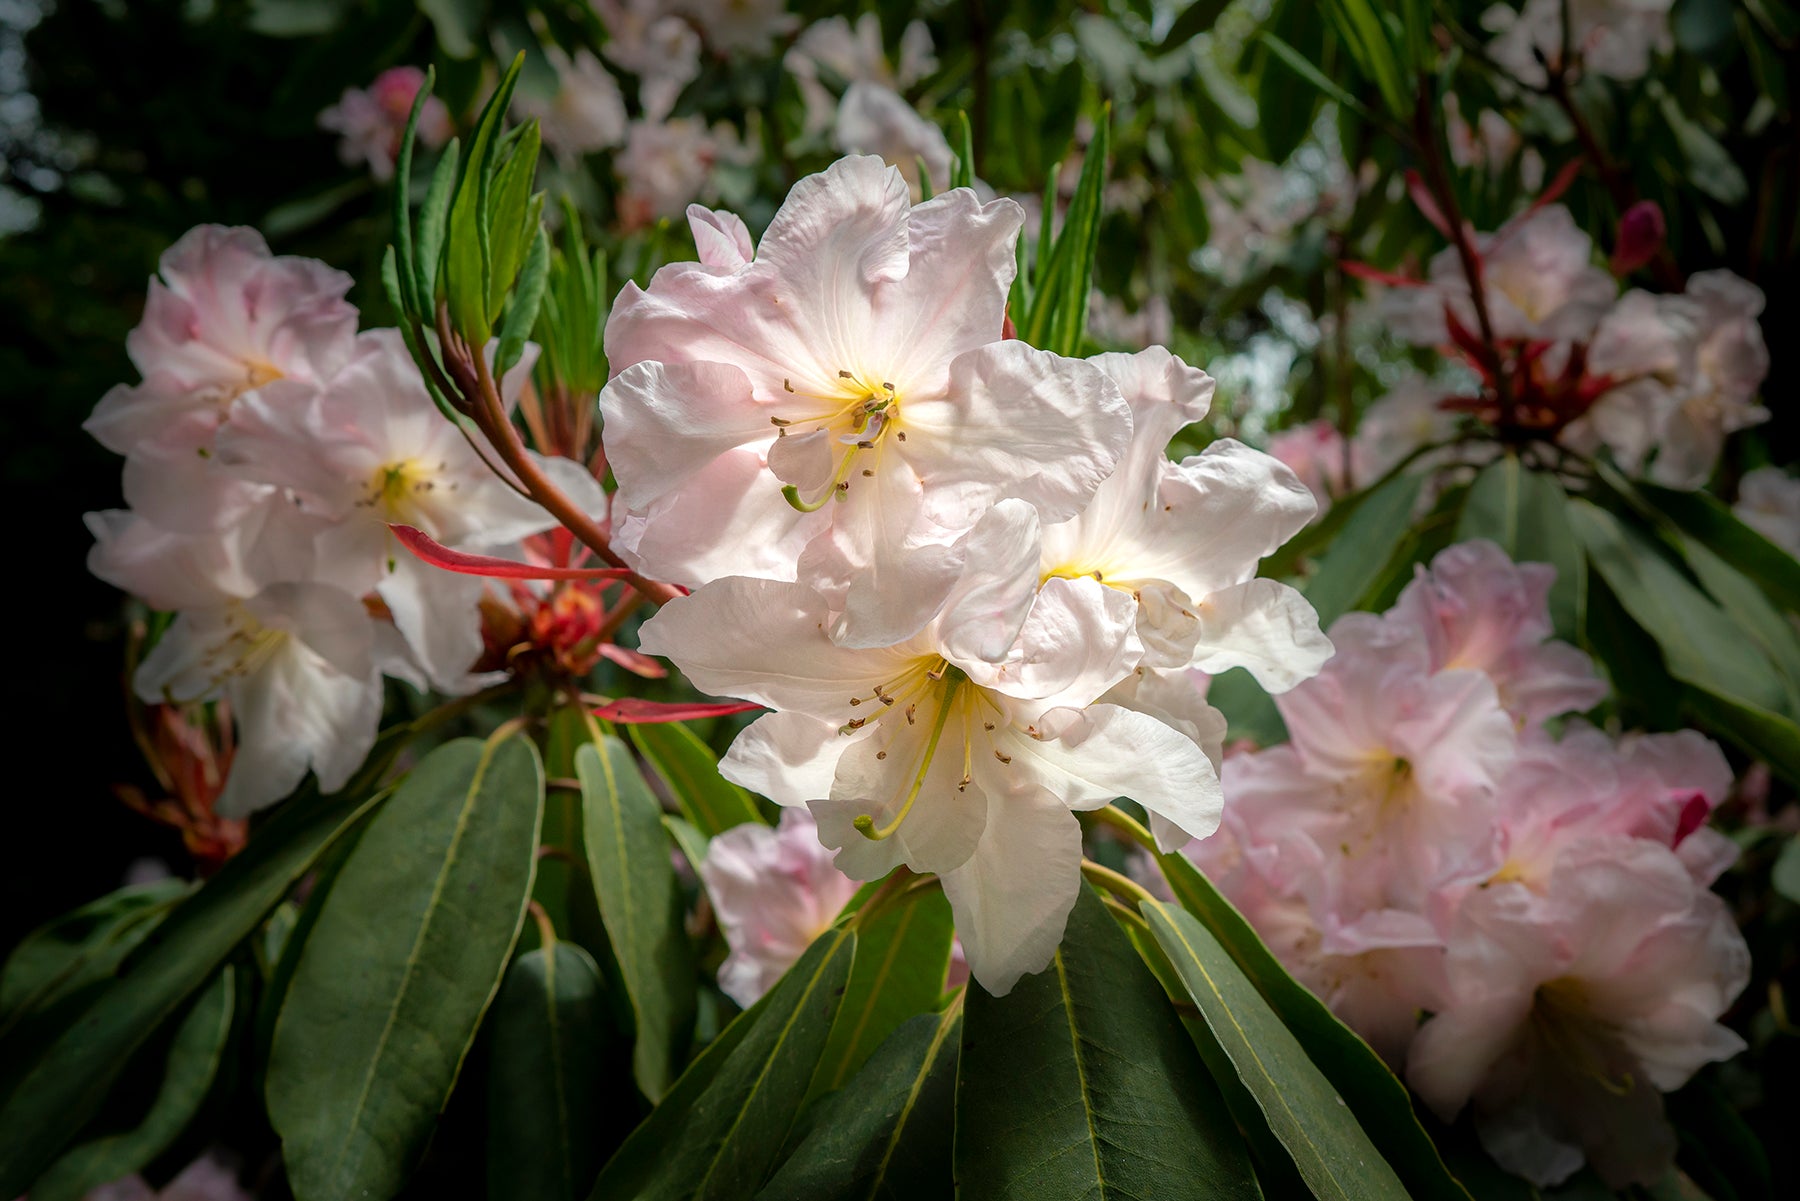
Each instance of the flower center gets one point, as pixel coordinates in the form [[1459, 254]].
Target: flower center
[[247, 645], [861, 414], [398, 490]]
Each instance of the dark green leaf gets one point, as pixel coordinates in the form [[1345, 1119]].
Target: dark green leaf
[[717, 1136], [1707, 28], [1710, 167], [1526, 513], [1081, 1082], [1379, 1101], [640, 902], [199, 1044], [901, 959], [1363, 35], [1785, 876], [1353, 567], [522, 313], [1296, 62], [962, 168], [427, 909], [510, 238], [81, 947], [295, 18], [468, 260], [1330, 1149], [693, 844], [457, 23], [545, 1075], [434, 219], [1709, 521], [1058, 317], [690, 769], [1197, 18], [886, 1137], [63, 1079]]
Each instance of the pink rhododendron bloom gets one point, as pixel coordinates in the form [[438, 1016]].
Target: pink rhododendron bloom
[[369, 450], [662, 50], [224, 319], [1409, 417], [908, 754], [774, 891], [1688, 368], [1539, 278], [845, 54], [1607, 37], [665, 166], [209, 1178], [873, 119], [1477, 609], [1572, 1009], [586, 112], [841, 409], [371, 123], [1769, 503], [738, 27]]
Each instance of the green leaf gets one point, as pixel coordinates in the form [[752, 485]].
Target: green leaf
[[1706, 28], [509, 199], [82, 947], [1379, 1101], [193, 1060], [1360, 29], [717, 1136], [901, 960], [545, 1073], [295, 18], [962, 167], [690, 769], [1082, 1082], [1526, 513], [400, 273], [887, 1135], [468, 257], [1058, 318], [522, 313], [693, 844], [457, 23], [1296, 62], [1710, 167], [63, 1079], [1771, 737], [640, 902], [434, 219], [1712, 523], [427, 910], [1197, 18], [1315, 1124], [1354, 566]]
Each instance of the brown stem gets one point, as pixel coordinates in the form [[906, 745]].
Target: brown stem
[[491, 417]]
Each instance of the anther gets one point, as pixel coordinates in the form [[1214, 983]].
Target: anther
[[779, 421], [843, 486], [845, 375], [881, 754], [988, 726], [787, 385], [910, 710], [855, 700], [888, 387], [935, 675], [1002, 758], [868, 473], [864, 444], [900, 434], [856, 723]]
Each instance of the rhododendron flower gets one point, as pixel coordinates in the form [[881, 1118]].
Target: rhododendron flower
[[1181, 539], [371, 123], [908, 754], [1607, 37], [856, 360], [665, 166], [738, 26], [873, 119], [224, 319], [1769, 503], [774, 891], [1574, 1008], [370, 450], [1410, 416], [661, 49], [1320, 458], [1688, 368], [295, 660], [849, 53], [1479, 610], [1539, 282], [586, 112]]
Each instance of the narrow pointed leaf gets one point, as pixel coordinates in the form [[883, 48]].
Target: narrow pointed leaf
[[193, 1060], [434, 219], [546, 1074], [81, 947], [718, 1136], [887, 1135], [1707, 519], [690, 769], [509, 199], [1315, 1124], [1380, 1102], [467, 252], [407, 300], [522, 312], [63, 1078], [1082, 1083], [640, 902], [427, 909], [901, 961], [424, 547]]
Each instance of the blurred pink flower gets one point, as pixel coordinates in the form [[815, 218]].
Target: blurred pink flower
[[371, 123]]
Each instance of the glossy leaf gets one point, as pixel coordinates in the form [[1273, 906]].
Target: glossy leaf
[[1353, 567], [628, 855], [509, 201], [887, 1135], [468, 260], [522, 313], [198, 1046], [545, 1076], [690, 769], [1082, 1083], [427, 909], [1526, 513], [1333, 1154], [901, 960], [1380, 1102], [1710, 522], [63, 1079], [1194, 20], [82, 946], [720, 1129], [434, 220]]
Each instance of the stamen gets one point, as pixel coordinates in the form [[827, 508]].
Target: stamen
[[779, 421], [787, 385], [1007, 759], [865, 824], [845, 375]]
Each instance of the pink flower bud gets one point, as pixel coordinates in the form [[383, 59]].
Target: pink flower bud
[[1641, 233]]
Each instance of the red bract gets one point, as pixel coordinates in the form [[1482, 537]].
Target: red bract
[[631, 710], [189, 750], [437, 554]]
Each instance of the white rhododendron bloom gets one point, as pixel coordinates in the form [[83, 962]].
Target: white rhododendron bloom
[[586, 112], [661, 49], [733, 27], [774, 891], [1769, 503], [1607, 37], [909, 754], [843, 54], [873, 119], [840, 409], [664, 167]]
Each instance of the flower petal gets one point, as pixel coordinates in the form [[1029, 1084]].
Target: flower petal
[[1265, 627]]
